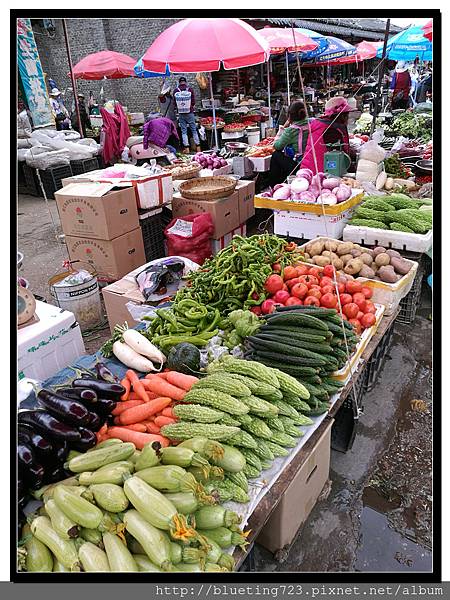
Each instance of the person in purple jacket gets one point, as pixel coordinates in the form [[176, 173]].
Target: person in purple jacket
[[160, 131], [185, 103]]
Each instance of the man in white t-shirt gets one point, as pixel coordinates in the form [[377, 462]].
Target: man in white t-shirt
[[185, 104]]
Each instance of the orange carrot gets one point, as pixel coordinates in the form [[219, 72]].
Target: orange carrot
[[142, 412], [127, 385], [168, 412], [136, 437], [151, 395], [137, 385], [163, 388], [162, 375], [117, 421], [120, 408], [136, 427], [185, 382], [161, 421], [152, 428]]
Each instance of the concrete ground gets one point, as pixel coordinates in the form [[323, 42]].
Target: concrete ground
[[377, 514]]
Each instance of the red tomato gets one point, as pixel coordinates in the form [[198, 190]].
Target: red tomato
[[344, 318], [360, 300], [273, 284], [368, 320], [300, 290], [352, 287], [310, 300], [267, 307], [285, 287], [356, 324], [315, 292], [256, 309], [370, 307], [326, 281], [309, 280], [328, 300], [289, 273], [281, 296], [350, 310], [291, 282], [345, 299], [328, 289], [315, 272], [360, 315], [292, 301], [367, 291], [315, 287], [329, 271], [302, 269], [341, 288], [276, 268]]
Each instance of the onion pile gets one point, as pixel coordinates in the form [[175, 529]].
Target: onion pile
[[310, 188], [209, 161]]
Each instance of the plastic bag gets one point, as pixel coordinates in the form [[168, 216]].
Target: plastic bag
[[156, 278], [373, 152], [202, 80], [190, 236], [45, 159]]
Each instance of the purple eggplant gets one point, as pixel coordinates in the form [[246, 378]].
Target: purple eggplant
[[69, 411], [34, 476], [49, 426], [62, 449], [42, 447], [104, 407], [85, 396], [95, 421], [103, 388], [25, 456], [105, 374], [88, 440], [55, 474]]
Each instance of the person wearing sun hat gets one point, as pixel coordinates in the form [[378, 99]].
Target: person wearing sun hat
[[400, 86], [60, 112], [327, 130]]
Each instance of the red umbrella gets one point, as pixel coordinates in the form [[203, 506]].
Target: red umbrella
[[282, 39], [428, 30], [105, 64]]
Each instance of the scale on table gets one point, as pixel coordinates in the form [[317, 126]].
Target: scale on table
[[26, 308], [336, 161]]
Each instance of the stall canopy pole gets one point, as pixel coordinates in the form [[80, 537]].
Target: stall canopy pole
[[72, 76], [287, 75], [380, 76], [238, 87], [214, 111], [268, 92]]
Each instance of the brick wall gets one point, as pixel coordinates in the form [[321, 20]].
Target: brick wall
[[130, 36]]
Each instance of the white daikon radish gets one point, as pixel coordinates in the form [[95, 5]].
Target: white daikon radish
[[142, 345], [130, 358]]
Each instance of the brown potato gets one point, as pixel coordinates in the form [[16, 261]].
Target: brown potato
[[366, 258], [321, 261], [378, 250], [353, 266], [331, 245], [382, 259], [316, 248], [367, 272], [344, 248], [366, 251], [326, 253], [356, 252], [345, 258], [401, 265], [337, 264], [387, 274], [307, 256], [393, 253]]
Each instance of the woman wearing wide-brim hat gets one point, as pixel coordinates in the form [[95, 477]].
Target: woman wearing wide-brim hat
[[400, 86]]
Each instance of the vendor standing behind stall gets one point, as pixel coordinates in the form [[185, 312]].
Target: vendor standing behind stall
[[326, 131], [185, 102], [289, 144], [400, 86], [167, 103]]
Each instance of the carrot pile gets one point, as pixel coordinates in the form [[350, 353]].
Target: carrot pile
[[146, 406]]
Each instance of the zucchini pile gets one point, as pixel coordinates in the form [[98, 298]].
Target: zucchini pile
[[306, 342], [248, 406], [126, 510]]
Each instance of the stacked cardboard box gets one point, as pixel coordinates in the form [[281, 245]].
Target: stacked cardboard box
[[101, 226]]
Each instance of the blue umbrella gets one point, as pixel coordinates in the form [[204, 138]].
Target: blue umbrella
[[336, 49], [318, 38], [141, 72], [408, 44]]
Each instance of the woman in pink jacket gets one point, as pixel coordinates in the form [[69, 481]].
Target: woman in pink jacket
[[327, 130]]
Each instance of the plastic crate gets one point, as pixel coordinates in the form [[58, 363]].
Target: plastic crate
[[31, 181], [152, 234], [346, 420], [84, 165], [410, 303], [377, 359], [52, 178]]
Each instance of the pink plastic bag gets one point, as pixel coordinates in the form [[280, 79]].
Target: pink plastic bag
[[190, 236]]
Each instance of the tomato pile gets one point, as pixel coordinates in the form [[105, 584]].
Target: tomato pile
[[311, 286]]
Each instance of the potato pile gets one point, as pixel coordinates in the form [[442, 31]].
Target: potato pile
[[380, 264]]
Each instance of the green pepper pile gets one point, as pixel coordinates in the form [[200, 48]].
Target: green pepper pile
[[235, 277], [186, 321], [412, 125]]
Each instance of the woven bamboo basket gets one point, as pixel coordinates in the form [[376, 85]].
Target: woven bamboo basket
[[184, 171], [208, 188]]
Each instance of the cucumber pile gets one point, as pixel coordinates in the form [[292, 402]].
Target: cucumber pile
[[308, 343]]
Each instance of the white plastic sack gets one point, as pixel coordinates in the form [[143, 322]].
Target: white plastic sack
[[76, 151], [44, 160], [373, 152], [70, 135], [23, 143], [21, 152]]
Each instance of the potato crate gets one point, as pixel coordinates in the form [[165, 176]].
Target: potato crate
[[84, 166], [152, 234], [52, 178]]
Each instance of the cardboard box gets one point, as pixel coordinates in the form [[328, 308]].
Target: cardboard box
[[116, 296], [97, 210], [260, 164], [299, 498], [242, 166], [81, 178], [224, 211], [218, 245], [112, 259], [246, 191]]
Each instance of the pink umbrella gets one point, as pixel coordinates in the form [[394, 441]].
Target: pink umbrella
[[105, 64], [428, 30], [195, 45], [285, 40]]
